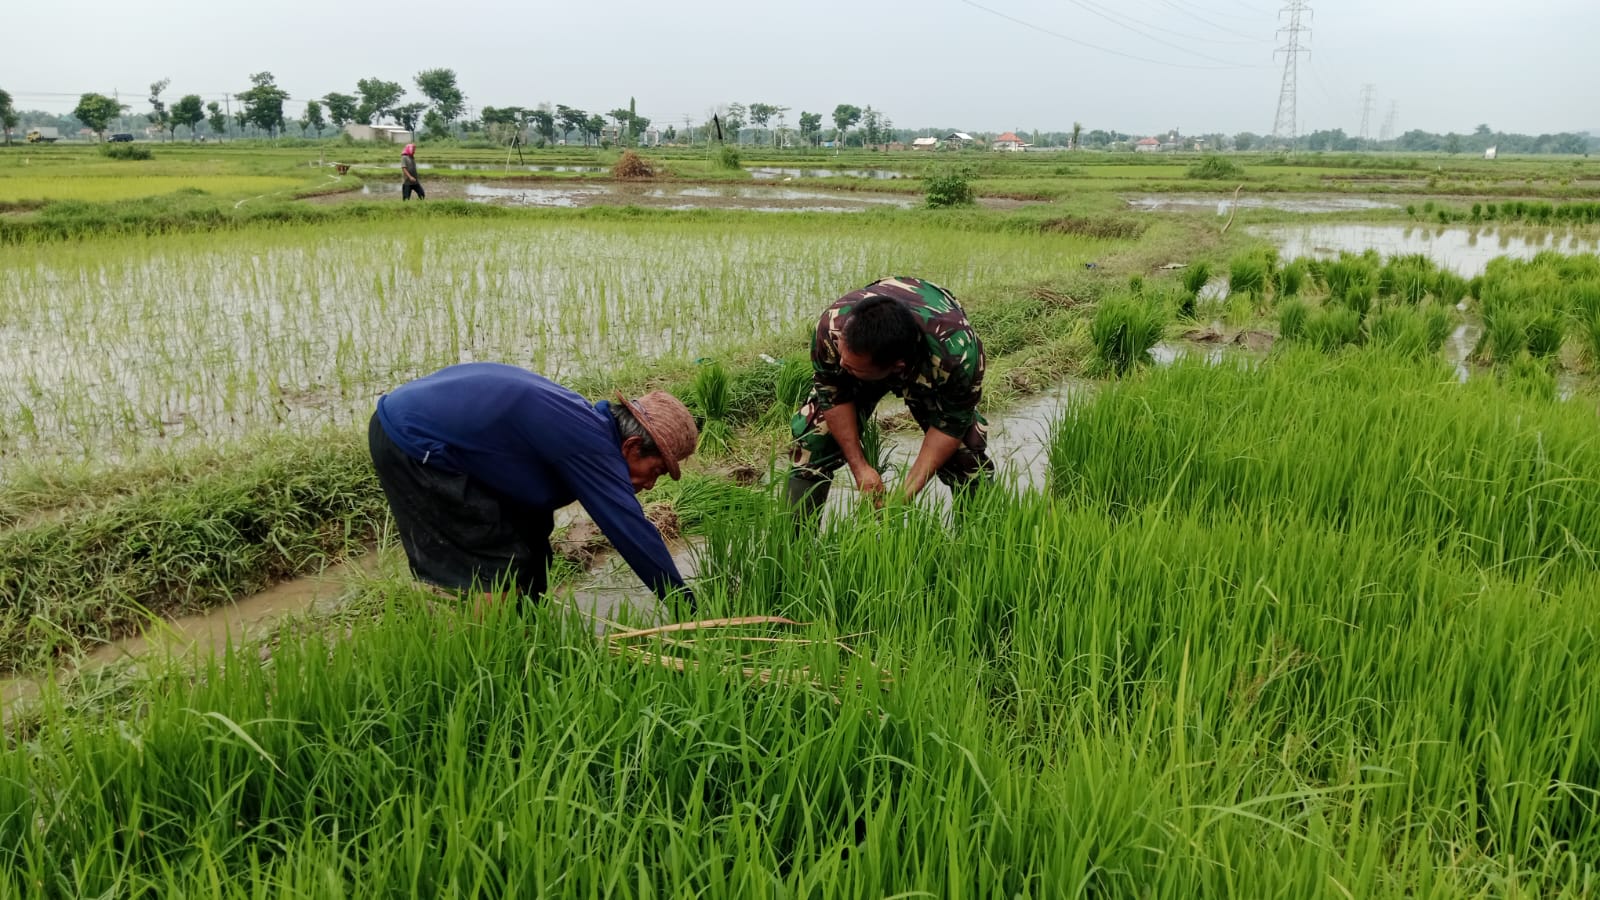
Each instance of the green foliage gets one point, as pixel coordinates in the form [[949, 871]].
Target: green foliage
[[727, 158], [1290, 279], [1292, 315], [1214, 166], [949, 186], [128, 151], [1333, 327], [1249, 274], [96, 111], [1402, 330], [1196, 276], [1123, 331]]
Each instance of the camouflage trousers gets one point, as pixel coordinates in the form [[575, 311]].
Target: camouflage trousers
[[816, 454]]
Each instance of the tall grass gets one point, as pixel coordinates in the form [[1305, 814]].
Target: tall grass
[[1123, 330]]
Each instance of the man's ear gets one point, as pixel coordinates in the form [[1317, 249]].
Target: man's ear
[[632, 446]]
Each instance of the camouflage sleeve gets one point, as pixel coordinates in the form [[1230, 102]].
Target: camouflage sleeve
[[960, 386], [831, 384]]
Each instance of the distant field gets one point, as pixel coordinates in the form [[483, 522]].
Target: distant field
[[96, 188]]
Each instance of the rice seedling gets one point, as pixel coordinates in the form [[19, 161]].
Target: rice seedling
[[1292, 315], [711, 402], [300, 328], [1290, 279], [1123, 330], [1402, 330], [1196, 276], [1331, 328], [1249, 274]]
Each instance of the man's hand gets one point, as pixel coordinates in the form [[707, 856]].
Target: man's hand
[[937, 448], [869, 482]]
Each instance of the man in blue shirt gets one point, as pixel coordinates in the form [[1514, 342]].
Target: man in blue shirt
[[476, 458]]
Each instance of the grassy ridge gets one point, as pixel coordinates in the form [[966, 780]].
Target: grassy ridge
[[294, 505]]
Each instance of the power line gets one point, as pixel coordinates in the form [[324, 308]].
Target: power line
[[1252, 39], [1107, 50], [1096, 9], [1286, 124]]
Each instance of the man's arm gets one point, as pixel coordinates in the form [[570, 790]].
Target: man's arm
[[602, 486], [937, 448], [846, 432]]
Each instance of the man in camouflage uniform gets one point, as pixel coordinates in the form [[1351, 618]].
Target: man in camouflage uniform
[[903, 336]]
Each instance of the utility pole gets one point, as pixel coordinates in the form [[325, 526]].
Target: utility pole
[[1285, 125], [1367, 93], [1387, 132]]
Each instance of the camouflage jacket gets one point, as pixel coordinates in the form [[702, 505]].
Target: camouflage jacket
[[947, 382]]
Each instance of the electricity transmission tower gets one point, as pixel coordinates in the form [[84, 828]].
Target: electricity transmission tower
[[1387, 131], [1366, 110], [1284, 126]]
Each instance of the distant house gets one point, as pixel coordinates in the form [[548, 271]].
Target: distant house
[[958, 139], [1008, 141], [925, 143], [394, 134], [1147, 145], [1491, 153]]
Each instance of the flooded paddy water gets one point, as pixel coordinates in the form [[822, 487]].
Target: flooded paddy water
[[1465, 251], [756, 198], [112, 345], [1226, 204]]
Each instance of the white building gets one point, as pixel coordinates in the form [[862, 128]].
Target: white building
[[392, 133]]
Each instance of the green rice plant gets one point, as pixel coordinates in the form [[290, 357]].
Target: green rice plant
[[1359, 297], [1214, 166], [1123, 331], [1505, 334], [1331, 328], [1584, 301], [1449, 288], [1408, 278], [1292, 315], [1290, 279], [1136, 284], [1545, 329], [1529, 375], [711, 396], [1437, 324], [1196, 276], [1402, 330], [1249, 274], [1346, 273]]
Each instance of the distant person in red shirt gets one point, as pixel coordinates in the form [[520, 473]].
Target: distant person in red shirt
[[408, 174]]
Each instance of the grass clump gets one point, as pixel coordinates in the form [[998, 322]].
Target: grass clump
[[128, 151], [949, 186], [1123, 331], [1213, 167]]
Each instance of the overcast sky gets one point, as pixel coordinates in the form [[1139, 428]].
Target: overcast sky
[[1141, 66]]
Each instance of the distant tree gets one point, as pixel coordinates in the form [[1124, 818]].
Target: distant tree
[[544, 121], [871, 125], [159, 117], [263, 103], [634, 128], [593, 126], [313, 118], [1077, 130], [439, 86], [217, 119], [435, 123], [96, 111], [845, 116], [571, 119], [341, 109], [241, 122], [8, 115], [761, 114], [624, 119], [733, 121], [408, 115], [1244, 140], [188, 112], [1452, 143], [810, 126], [378, 99]]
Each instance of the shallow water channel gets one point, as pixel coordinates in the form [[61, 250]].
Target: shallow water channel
[[1226, 204]]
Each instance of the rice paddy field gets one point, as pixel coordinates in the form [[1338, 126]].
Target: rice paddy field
[[1311, 608]]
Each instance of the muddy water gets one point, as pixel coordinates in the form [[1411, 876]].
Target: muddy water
[[204, 634], [1225, 205], [758, 198], [1466, 251], [775, 172]]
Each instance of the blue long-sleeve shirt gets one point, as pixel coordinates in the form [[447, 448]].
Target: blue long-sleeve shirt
[[533, 441]]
